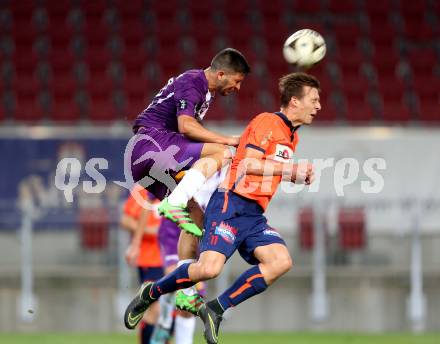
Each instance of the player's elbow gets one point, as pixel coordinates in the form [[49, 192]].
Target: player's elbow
[[185, 125]]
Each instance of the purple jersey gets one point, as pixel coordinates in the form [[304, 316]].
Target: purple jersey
[[187, 94]]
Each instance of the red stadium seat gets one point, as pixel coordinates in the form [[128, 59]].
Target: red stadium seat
[[379, 7], [234, 9], [97, 57], [355, 85], [306, 235], [350, 60], [413, 8], [423, 61], [60, 33], [307, 7], [96, 34], [427, 87], [94, 228], [271, 9], [342, 7], [23, 32], [136, 85], [359, 111], [133, 33], [395, 111], [165, 9], [168, 32], [102, 110], [3, 112], [62, 61], [386, 61], [276, 33], [170, 60], [134, 59], [418, 30], [22, 9], [28, 109], [200, 8], [94, 9], [352, 231], [382, 33], [430, 111], [25, 60], [26, 85], [391, 87], [63, 85], [100, 84], [58, 8], [129, 9], [347, 34], [306, 23], [248, 109], [65, 110], [135, 105], [239, 32], [306, 228]]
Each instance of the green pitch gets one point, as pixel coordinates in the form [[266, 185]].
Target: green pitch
[[228, 338]]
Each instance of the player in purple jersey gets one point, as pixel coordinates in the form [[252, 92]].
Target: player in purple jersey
[[169, 135]]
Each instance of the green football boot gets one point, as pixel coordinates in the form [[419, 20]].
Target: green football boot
[[180, 216], [188, 303]]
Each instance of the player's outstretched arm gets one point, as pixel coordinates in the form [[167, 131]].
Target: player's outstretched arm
[[192, 129]]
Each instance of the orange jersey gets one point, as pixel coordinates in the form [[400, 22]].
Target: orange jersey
[[274, 136], [149, 252]]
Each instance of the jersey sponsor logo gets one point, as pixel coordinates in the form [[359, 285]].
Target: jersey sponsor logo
[[227, 232], [283, 153], [183, 104]]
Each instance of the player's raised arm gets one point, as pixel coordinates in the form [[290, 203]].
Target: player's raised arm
[[192, 129]]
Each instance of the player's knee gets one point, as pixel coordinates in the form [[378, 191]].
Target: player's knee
[[211, 270], [282, 264]]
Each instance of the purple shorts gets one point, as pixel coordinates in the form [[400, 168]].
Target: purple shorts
[[158, 155], [168, 236]]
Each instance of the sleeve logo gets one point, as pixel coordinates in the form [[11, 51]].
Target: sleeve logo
[[182, 104], [283, 153]]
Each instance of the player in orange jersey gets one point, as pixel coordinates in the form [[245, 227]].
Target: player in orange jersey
[[234, 219], [144, 252]]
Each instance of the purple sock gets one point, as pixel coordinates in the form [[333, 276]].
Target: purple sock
[[248, 284], [178, 279]]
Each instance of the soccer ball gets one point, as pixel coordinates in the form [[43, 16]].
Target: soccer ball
[[304, 48]]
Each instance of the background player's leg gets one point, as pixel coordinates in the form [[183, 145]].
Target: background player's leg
[[184, 329], [151, 315], [196, 213]]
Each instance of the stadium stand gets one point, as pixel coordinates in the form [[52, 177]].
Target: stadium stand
[[382, 57]]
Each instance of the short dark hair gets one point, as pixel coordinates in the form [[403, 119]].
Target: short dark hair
[[230, 60], [292, 85]]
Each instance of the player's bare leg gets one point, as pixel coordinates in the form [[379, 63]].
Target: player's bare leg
[[189, 299]]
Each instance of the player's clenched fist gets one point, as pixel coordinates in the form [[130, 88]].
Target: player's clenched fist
[[302, 173]]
